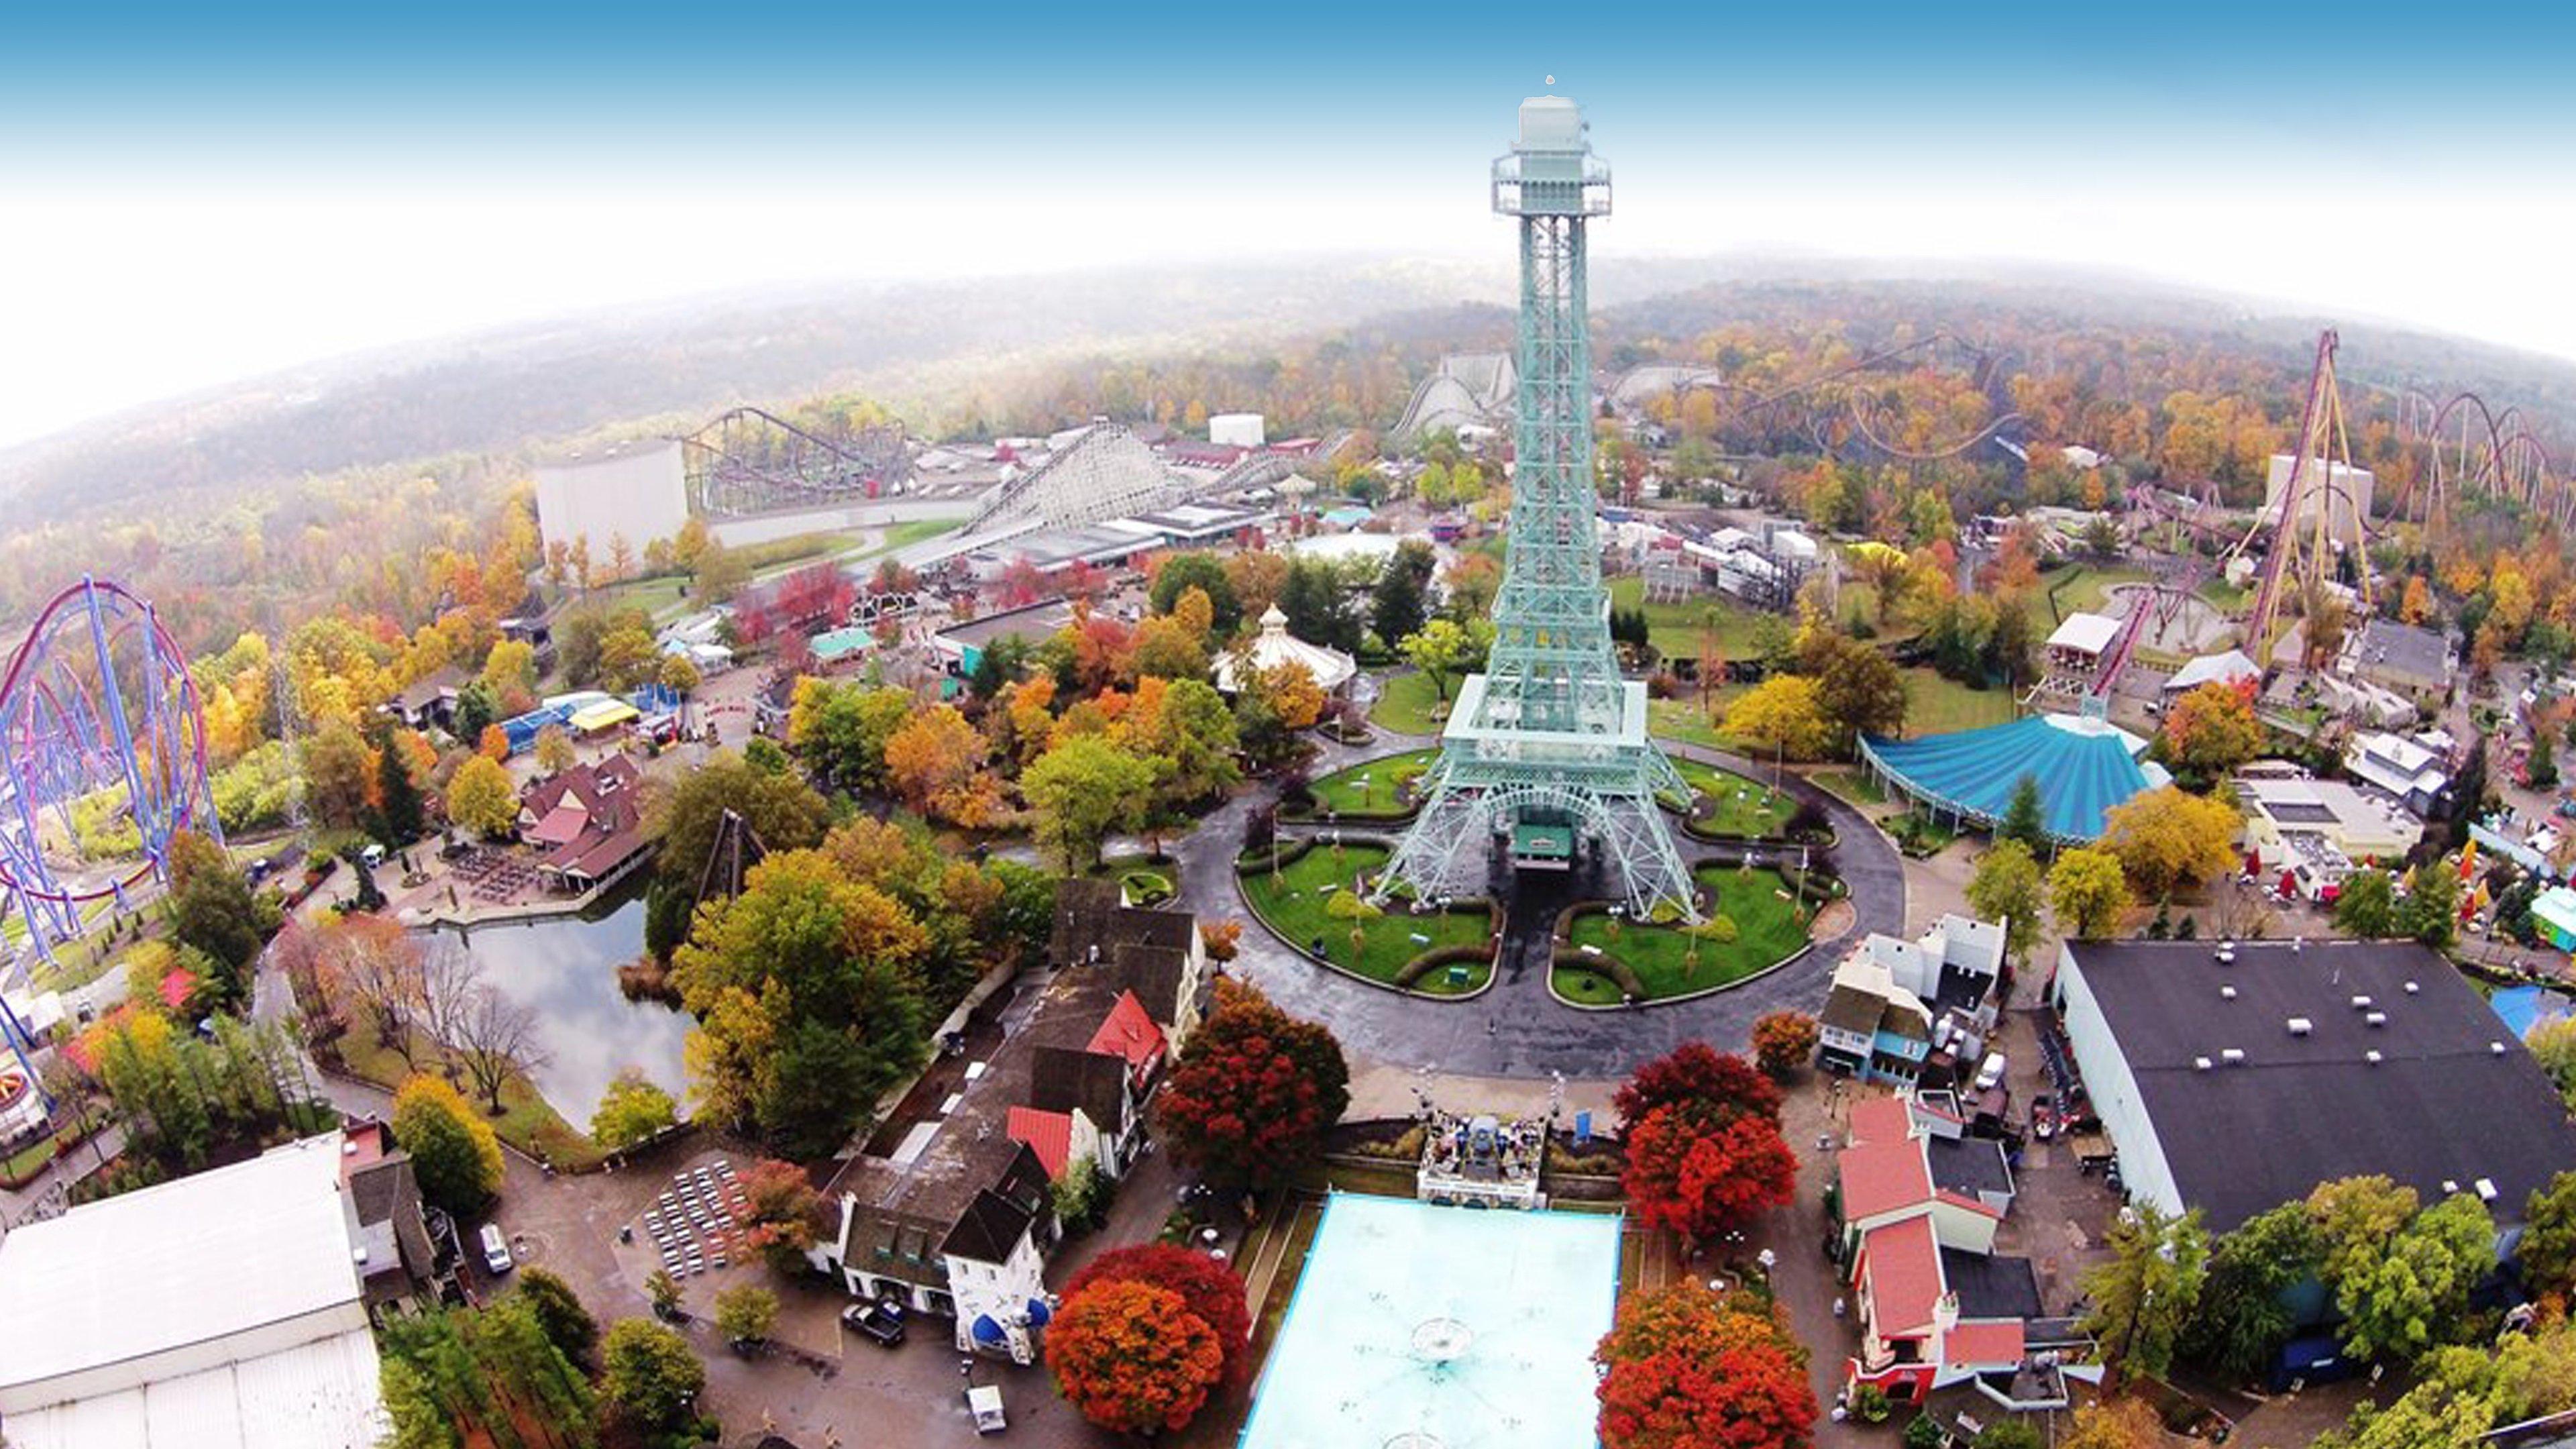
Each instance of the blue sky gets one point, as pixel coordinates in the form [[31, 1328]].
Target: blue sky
[[216, 191]]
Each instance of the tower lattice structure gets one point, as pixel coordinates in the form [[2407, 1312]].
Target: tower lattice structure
[[1546, 759]]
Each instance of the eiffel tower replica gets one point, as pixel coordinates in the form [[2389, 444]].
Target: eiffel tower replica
[[1545, 764]]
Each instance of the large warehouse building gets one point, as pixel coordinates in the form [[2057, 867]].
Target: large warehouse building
[[2234, 1078], [638, 491], [220, 1311]]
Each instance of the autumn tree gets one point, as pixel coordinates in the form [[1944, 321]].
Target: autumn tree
[[1084, 789], [481, 798], [1782, 716], [1701, 1171], [1132, 1358], [2087, 893], [1206, 1286], [1290, 691], [935, 763], [1254, 1092], [554, 750], [1444, 647], [1178, 573], [2414, 1295], [632, 1110], [1783, 1041], [2006, 888], [2169, 839], [339, 775], [781, 1214], [453, 1151], [2211, 730], [779, 810], [746, 1312], [493, 744], [1167, 648], [1684, 1367], [1698, 1073], [1858, 691]]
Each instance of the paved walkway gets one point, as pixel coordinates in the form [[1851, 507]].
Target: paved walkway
[[1516, 1028]]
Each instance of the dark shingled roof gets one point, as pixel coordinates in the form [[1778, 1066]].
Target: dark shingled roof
[[2441, 1105], [993, 1222], [1088, 913], [1066, 1079], [388, 1191], [1968, 1165], [2387, 646], [1991, 1287], [1848, 1008]]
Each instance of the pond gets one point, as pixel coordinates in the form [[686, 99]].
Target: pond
[[565, 969]]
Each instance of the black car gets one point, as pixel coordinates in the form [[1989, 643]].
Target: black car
[[876, 1320]]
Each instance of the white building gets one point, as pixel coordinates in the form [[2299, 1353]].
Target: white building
[[1235, 430], [636, 491], [220, 1311], [2320, 830], [2337, 490], [1275, 646], [2414, 774], [2082, 640]]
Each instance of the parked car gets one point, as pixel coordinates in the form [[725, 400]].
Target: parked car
[[880, 1321], [2043, 1116], [1992, 1073], [496, 1250]]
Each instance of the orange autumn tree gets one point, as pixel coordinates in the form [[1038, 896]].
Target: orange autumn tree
[[936, 763], [1132, 1357], [1684, 1367]]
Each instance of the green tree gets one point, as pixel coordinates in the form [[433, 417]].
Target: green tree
[[1860, 691], [213, 911], [2415, 1296], [1178, 573], [2087, 892], [721, 572], [398, 802], [781, 811], [2241, 1319], [1192, 735], [631, 1110], [2149, 1289], [2549, 1237], [453, 1152], [840, 731], [559, 1311], [1396, 604], [2553, 1045], [2432, 910], [2367, 905], [746, 1312], [2006, 888], [1444, 647], [2022, 819], [339, 770], [1085, 789], [647, 1374], [475, 711], [2357, 1218]]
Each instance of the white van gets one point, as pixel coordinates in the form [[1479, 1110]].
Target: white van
[[496, 1250], [373, 855], [1992, 1073]]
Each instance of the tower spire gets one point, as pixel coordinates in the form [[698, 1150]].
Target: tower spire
[[1546, 754]]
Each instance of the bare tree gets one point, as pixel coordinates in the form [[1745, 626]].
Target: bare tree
[[378, 968], [449, 978], [494, 1037]]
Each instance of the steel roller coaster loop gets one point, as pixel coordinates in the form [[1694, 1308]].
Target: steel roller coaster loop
[[97, 700]]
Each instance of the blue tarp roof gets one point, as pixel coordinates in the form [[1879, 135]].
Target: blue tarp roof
[[2083, 768]]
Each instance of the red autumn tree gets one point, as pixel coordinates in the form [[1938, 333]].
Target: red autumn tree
[[1209, 1287], [780, 1213], [1685, 1367], [1783, 1040], [1745, 1398], [1698, 1072], [1700, 1172], [1251, 1098], [1132, 1357]]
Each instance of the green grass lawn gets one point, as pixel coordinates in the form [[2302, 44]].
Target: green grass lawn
[[1855, 785], [1676, 628], [2086, 588], [1342, 790], [907, 533], [1936, 704], [1293, 903], [2224, 596], [1687, 720], [1743, 807], [1767, 930], [1405, 704]]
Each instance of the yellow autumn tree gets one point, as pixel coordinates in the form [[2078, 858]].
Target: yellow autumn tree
[[2169, 839]]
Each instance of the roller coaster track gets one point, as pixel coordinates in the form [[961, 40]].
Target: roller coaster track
[[751, 461], [2322, 447], [2493, 452], [1820, 422]]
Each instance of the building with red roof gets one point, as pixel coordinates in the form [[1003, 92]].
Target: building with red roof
[[590, 822], [1129, 1033]]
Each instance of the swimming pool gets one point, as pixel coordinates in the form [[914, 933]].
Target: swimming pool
[[1421, 1327]]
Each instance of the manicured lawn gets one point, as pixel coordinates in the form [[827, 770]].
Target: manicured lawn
[[2086, 588], [1344, 792], [1744, 807], [1294, 904], [1855, 785], [1685, 720], [1406, 703], [1676, 629], [1936, 705], [2224, 596], [1767, 930], [526, 1121], [907, 533]]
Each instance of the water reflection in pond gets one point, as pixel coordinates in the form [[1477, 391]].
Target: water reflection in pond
[[565, 969]]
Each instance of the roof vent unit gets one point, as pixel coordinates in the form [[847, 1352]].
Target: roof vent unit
[[2298, 944], [2495, 1048], [2412, 988], [2227, 993], [2371, 1057], [2225, 955], [2301, 1026], [2233, 1056], [2450, 1186], [2486, 1188], [2200, 1064], [2361, 1003], [2374, 1018]]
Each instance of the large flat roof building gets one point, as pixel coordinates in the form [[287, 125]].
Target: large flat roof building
[[2234, 1086], [220, 1311]]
